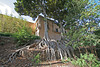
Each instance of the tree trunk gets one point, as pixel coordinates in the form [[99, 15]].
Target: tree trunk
[[45, 30], [46, 37], [61, 30]]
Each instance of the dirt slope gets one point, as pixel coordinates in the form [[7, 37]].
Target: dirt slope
[[7, 46]]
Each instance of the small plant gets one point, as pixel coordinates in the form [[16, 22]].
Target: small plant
[[36, 59], [86, 60]]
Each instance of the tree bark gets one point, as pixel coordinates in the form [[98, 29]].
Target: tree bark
[[61, 30], [46, 37]]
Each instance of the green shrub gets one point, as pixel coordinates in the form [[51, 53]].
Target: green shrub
[[86, 60], [24, 36], [97, 32], [17, 28]]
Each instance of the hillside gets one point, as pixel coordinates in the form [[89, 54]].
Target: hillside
[[8, 24]]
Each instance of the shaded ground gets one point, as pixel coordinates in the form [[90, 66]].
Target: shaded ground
[[7, 46]]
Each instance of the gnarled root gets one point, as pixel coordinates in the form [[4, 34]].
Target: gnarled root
[[52, 50], [19, 52], [13, 55]]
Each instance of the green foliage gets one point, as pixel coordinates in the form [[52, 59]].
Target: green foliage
[[57, 10], [97, 32], [81, 32], [81, 37], [91, 10], [17, 28], [36, 59], [74, 9], [35, 7], [24, 36], [81, 11], [85, 61], [10, 24], [82, 28]]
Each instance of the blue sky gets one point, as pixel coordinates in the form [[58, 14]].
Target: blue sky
[[7, 7]]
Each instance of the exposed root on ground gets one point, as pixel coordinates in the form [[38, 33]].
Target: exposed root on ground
[[19, 52], [56, 50], [52, 49]]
